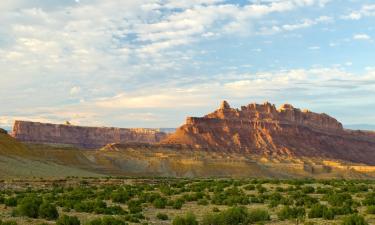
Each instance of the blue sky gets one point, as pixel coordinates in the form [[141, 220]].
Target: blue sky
[[151, 63]]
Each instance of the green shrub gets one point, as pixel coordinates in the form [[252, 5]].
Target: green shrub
[[328, 214], [188, 219], [106, 221], [317, 210], [159, 203], [134, 206], [235, 216], [29, 206], [11, 201], [287, 213], [256, 215], [68, 220], [162, 216], [370, 209], [48, 211], [178, 204], [354, 219]]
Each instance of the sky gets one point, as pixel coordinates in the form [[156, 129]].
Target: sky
[[151, 63]]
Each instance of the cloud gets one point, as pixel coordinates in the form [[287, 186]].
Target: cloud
[[362, 37], [365, 11], [305, 23]]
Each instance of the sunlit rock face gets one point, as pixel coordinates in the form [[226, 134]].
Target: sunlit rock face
[[266, 130], [84, 137]]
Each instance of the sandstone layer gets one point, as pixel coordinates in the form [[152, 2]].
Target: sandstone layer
[[83, 137], [264, 130]]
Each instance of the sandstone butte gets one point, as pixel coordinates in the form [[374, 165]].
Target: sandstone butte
[[264, 130], [83, 137]]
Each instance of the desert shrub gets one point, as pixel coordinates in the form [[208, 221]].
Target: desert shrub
[[68, 220], [107, 221], [291, 213], [121, 196], [256, 215], [188, 219], [328, 214], [339, 199], [236, 215], [48, 211], [29, 206], [370, 209], [344, 210], [308, 189], [354, 219], [134, 206], [369, 199], [162, 216], [11, 201], [317, 210], [160, 203], [178, 204]]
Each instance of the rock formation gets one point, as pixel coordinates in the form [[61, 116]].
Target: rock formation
[[2, 131], [84, 137], [264, 130]]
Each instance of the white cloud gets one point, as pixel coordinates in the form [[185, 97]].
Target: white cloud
[[364, 37], [365, 11], [305, 23]]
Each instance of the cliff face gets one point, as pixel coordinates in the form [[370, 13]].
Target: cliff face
[[84, 137], [265, 130]]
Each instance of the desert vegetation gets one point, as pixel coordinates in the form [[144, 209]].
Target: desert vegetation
[[120, 201]]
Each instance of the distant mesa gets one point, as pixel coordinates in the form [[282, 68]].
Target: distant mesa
[[264, 130], [82, 137], [2, 131]]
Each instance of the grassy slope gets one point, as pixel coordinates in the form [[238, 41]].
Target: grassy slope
[[17, 160]]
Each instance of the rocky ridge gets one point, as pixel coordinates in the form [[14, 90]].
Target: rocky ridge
[[83, 137], [263, 129]]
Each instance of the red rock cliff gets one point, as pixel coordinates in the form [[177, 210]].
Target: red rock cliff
[[85, 137], [265, 130]]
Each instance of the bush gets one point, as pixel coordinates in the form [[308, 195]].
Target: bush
[[236, 215], [287, 213], [188, 219], [328, 214], [371, 209], [68, 220], [134, 206], [256, 215], [107, 221], [12, 201], [162, 216], [354, 219], [317, 211], [160, 203], [29, 206], [178, 204], [48, 211]]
